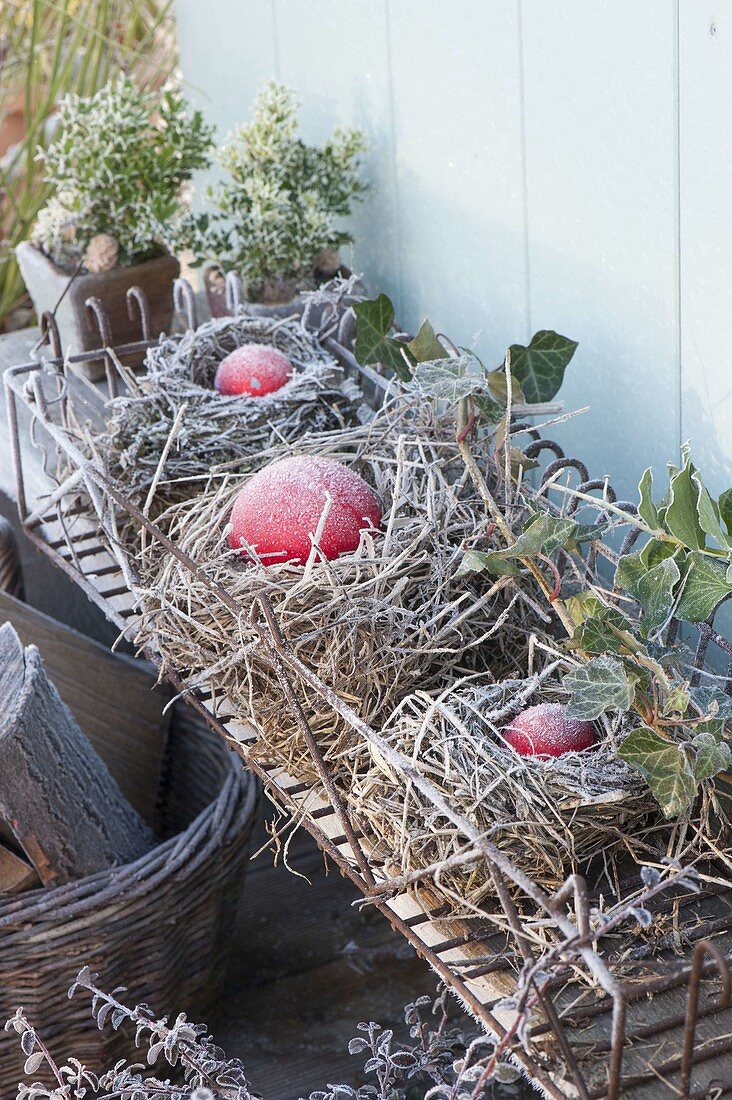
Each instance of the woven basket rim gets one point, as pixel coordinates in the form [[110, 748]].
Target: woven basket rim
[[224, 818]]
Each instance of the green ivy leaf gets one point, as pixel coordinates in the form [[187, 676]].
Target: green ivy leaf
[[709, 515], [601, 684], [630, 569], [475, 561], [425, 344], [664, 766], [646, 508], [594, 635], [541, 534], [682, 513], [712, 756], [540, 366], [725, 509], [677, 700], [705, 585], [373, 344], [655, 593]]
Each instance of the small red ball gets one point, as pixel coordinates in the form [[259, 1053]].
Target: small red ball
[[280, 507], [545, 730], [252, 370]]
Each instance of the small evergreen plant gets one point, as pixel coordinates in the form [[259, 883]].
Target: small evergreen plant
[[118, 163]]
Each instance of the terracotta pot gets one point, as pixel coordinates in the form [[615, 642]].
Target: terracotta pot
[[46, 283]]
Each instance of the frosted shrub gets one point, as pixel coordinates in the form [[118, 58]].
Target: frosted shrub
[[118, 163], [278, 207]]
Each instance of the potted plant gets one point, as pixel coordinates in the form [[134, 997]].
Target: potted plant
[[118, 163], [274, 217]]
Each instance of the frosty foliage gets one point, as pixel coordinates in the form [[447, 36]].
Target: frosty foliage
[[118, 162], [279, 205], [206, 1070], [441, 1060]]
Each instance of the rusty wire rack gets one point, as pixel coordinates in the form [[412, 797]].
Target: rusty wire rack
[[647, 1025]]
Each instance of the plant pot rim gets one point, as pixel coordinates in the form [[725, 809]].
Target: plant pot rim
[[83, 274]]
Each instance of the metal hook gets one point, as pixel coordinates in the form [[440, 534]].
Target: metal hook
[[137, 303], [50, 334], [184, 301], [233, 292], [98, 317], [702, 948]]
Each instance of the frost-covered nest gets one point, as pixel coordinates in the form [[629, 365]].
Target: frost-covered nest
[[374, 625], [551, 816], [213, 430]]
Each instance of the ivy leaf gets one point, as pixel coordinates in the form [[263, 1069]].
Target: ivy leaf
[[646, 508], [655, 593], [595, 621], [709, 515], [602, 684], [541, 534], [705, 585], [677, 700], [519, 463], [475, 561], [540, 366], [682, 513], [630, 569], [725, 509], [716, 706], [664, 766], [712, 756], [425, 344], [373, 344], [595, 636], [497, 384], [449, 379]]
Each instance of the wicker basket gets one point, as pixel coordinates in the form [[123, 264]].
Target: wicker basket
[[162, 923]]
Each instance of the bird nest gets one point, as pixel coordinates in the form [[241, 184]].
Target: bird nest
[[374, 624], [172, 427], [550, 815]]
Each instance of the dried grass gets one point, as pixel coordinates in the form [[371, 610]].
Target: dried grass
[[550, 816], [375, 624]]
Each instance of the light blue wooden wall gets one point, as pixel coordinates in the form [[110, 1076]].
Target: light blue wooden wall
[[533, 164]]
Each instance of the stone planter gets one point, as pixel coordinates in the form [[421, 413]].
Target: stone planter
[[46, 283]]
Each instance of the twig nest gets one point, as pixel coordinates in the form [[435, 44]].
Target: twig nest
[[373, 624], [222, 428], [277, 512], [550, 814]]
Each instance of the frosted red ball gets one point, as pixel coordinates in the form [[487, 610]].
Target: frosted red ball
[[545, 730], [280, 507], [252, 370]]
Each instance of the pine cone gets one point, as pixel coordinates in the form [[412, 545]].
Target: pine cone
[[101, 254]]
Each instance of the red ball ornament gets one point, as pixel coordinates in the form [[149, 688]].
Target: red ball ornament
[[279, 508], [545, 730], [252, 370]]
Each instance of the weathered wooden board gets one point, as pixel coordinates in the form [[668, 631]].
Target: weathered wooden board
[[65, 810], [113, 698]]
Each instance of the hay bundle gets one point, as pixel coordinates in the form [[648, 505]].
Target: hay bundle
[[374, 625], [213, 429], [551, 816]]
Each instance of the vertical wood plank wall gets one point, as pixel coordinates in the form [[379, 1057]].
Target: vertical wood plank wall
[[533, 164]]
